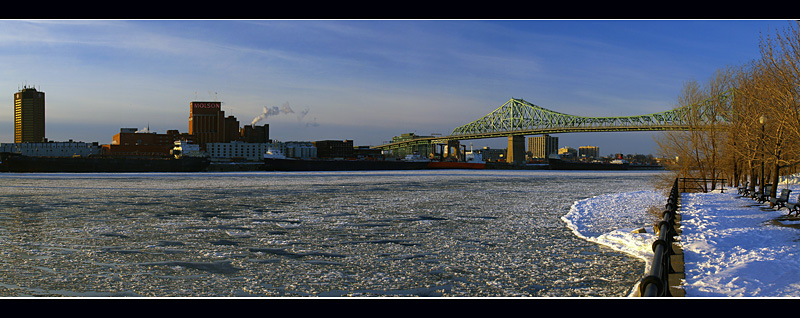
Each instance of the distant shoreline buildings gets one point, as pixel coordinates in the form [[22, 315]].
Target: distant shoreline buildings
[[220, 138], [211, 134]]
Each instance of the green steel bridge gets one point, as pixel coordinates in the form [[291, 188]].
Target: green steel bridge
[[517, 118]]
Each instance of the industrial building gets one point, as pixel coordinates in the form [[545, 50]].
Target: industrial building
[[237, 150], [53, 149], [423, 148], [207, 123], [255, 134], [366, 152], [135, 142], [334, 148], [296, 149]]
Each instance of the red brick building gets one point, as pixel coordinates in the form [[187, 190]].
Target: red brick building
[[207, 123], [131, 142]]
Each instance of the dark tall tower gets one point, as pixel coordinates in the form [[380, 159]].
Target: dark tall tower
[[206, 122], [28, 115]]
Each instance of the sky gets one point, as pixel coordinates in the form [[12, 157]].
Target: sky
[[362, 80]]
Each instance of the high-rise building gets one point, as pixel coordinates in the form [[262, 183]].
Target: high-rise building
[[542, 146], [588, 152], [29, 115]]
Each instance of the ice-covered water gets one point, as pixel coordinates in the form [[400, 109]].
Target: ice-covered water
[[404, 233]]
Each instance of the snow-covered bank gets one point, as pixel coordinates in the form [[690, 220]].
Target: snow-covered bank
[[612, 220], [733, 246], [736, 247]]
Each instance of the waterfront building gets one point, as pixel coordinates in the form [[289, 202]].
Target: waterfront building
[[237, 150], [567, 153], [231, 130], [29, 115], [300, 150], [53, 149], [135, 142], [295, 149], [334, 148], [542, 146], [367, 152], [207, 123], [492, 155], [423, 148], [255, 134], [588, 152], [183, 148]]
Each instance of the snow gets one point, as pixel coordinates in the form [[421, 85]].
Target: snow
[[625, 213], [733, 246]]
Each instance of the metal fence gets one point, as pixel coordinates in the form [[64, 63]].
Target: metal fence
[[656, 283], [701, 184]]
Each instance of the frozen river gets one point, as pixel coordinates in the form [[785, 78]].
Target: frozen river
[[490, 233]]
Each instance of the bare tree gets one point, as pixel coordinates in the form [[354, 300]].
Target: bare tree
[[780, 61], [697, 151], [744, 121]]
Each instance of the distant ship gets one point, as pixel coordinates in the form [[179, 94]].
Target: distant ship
[[10, 162], [556, 163], [275, 161], [473, 161]]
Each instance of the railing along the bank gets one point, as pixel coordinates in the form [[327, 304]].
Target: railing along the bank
[[656, 283], [701, 184]]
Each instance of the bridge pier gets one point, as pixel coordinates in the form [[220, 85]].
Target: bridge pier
[[516, 149], [453, 151]]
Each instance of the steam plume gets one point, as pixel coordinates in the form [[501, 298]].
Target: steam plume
[[273, 111]]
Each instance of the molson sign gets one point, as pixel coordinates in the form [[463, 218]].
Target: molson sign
[[206, 107]]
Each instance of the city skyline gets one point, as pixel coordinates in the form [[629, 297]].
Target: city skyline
[[362, 80]]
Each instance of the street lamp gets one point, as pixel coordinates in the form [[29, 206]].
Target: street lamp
[[763, 121]]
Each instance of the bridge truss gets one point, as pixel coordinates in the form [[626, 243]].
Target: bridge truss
[[518, 117]]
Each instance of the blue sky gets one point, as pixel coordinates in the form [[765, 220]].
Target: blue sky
[[365, 80]]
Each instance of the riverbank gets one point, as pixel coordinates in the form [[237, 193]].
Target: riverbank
[[259, 166], [731, 246]]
